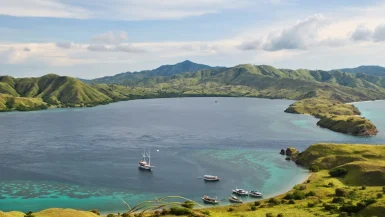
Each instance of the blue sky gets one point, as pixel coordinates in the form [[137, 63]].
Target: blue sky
[[93, 38]]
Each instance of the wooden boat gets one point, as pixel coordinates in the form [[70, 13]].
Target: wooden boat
[[143, 164], [210, 200], [240, 192], [211, 178], [234, 199], [255, 194]]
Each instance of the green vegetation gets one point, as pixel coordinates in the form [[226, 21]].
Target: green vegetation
[[321, 93], [25, 94], [335, 116]]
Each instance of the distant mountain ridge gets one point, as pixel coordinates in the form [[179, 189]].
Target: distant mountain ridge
[[189, 79], [369, 70], [129, 78]]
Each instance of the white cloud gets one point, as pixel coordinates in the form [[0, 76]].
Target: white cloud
[[65, 45], [251, 45], [111, 37], [361, 33], [300, 36], [41, 8], [379, 33], [115, 48]]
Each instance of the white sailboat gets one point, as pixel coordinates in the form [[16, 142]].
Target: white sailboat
[[143, 164]]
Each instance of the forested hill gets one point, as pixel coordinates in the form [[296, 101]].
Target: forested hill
[[369, 70], [129, 78]]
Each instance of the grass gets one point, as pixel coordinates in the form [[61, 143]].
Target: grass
[[335, 115]]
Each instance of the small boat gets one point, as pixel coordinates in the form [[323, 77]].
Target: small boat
[[234, 199], [255, 194], [211, 178], [240, 192], [210, 200], [143, 164]]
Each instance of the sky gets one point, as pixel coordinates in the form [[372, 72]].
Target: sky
[[95, 38]]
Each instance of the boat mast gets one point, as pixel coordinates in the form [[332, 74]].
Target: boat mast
[[149, 157], [144, 154]]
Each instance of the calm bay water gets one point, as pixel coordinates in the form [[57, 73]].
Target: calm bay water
[[87, 158]]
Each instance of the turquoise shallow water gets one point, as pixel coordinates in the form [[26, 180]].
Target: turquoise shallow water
[[87, 158]]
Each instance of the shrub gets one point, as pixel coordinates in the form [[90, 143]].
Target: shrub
[[126, 215], [280, 215], [230, 209], [180, 211], [310, 204], [197, 214], [257, 203], [383, 190], [308, 181], [274, 201], [340, 192], [314, 168], [330, 207], [339, 200], [291, 202], [352, 195], [165, 212], [331, 184], [363, 188], [344, 214], [110, 215], [29, 214], [206, 212], [95, 211], [310, 194], [338, 172], [367, 202], [352, 208], [188, 204], [253, 207], [269, 214], [283, 201], [379, 195]]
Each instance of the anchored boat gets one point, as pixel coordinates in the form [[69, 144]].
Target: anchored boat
[[210, 200], [143, 164], [211, 178], [240, 192], [255, 194], [234, 199]]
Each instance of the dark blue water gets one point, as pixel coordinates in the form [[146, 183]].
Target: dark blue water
[[87, 158]]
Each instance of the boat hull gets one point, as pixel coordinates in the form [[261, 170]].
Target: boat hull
[[144, 168], [211, 180], [210, 202]]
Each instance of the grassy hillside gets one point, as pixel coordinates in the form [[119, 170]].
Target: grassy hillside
[[365, 163], [54, 212], [335, 116], [369, 70], [130, 78], [50, 90]]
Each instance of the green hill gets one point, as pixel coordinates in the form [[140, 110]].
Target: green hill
[[130, 78], [50, 90], [369, 70]]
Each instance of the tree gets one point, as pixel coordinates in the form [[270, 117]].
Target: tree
[[29, 214]]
